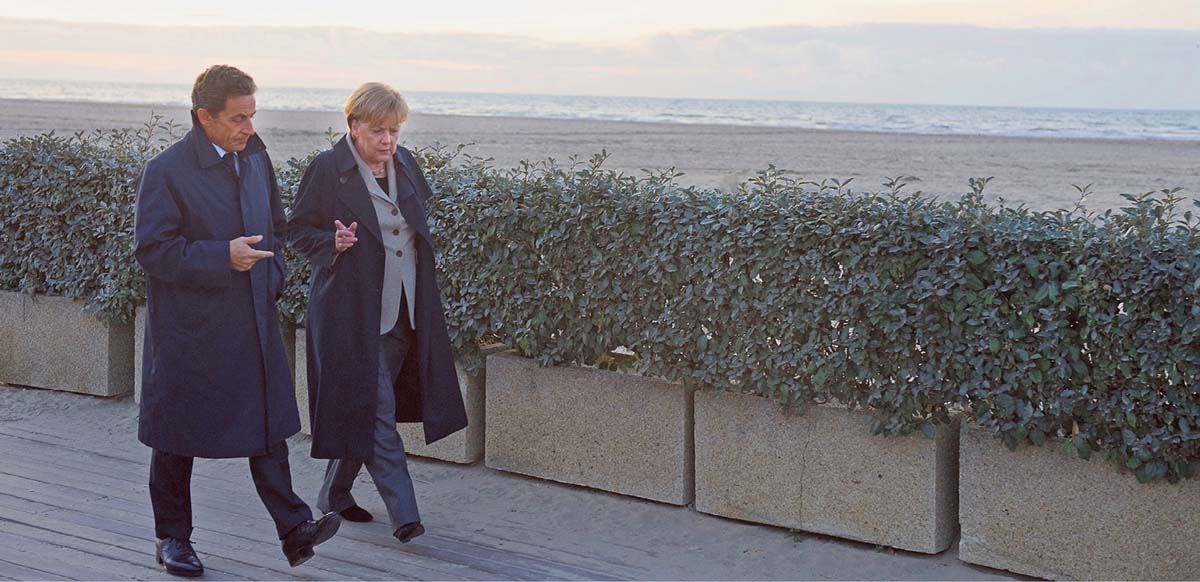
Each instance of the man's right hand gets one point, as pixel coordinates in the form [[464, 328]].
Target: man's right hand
[[242, 256]]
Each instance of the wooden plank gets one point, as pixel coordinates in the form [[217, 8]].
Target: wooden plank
[[84, 480], [30, 428], [217, 557], [52, 529], [66, 558], [126, 544], [96, 482], [19, 571], [26, 504], [48, 493], [233, 513], [500, 563], [453, 554], [537, 566], [264, 555], [111, 469], [134, 452], [106, 490], [46, 477], [77, 454]]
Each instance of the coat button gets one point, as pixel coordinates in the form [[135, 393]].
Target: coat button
[[395, 212], [342, 180], [396, 232], [399, 253]]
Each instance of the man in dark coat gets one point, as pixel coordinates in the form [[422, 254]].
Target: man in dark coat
[[210, 231]]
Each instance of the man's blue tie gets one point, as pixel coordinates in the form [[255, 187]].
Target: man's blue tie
[[231, 160]]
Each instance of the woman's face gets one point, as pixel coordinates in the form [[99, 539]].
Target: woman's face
[[375, 142]]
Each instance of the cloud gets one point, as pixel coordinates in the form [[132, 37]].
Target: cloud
[[887, 63]]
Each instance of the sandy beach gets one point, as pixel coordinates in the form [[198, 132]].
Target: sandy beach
[[1038, 172]]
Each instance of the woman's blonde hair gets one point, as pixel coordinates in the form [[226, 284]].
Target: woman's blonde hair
[[376, 103]]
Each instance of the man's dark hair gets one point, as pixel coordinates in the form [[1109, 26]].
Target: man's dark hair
[[218, 83]]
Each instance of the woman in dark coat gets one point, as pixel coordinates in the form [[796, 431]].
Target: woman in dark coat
[[379, 352]]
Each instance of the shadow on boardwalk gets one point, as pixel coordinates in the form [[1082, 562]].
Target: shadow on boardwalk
[[74, 505]]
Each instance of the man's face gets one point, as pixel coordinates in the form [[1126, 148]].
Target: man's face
[[232, 127]]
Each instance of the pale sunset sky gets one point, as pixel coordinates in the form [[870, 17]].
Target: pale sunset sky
[[1073, 53]]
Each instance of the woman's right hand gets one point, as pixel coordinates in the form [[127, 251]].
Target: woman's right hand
[[344, 236]]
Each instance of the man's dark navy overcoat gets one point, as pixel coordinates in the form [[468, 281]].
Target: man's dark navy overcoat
[[215, 376]]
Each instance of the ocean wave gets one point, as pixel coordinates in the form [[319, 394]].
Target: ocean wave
[[920, 119]]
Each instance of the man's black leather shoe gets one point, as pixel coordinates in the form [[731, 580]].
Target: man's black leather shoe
[[178, 557], [298, 545], [408, 531], [356, 513]]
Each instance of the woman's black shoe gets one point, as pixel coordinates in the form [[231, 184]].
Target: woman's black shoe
[[356, 514], [408, 531]]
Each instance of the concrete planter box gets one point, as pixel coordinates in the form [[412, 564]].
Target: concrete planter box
[[12, 325], [618, 432], [139, 343], [464, 446], [300, 377], [50, 342], [824, 472], [1043, 512]]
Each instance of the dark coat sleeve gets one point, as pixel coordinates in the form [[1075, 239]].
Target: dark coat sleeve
[[310, 228], [161, 247]]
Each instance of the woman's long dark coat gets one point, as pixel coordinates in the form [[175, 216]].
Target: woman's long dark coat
[[215, 376], [344, 306]]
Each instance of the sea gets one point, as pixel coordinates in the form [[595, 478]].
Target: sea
[[875, 117]]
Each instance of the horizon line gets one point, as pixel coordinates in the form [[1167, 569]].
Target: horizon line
[[573, 95]]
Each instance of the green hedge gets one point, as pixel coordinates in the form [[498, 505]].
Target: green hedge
[[1058, 325], [67, 222], [1062, 326]]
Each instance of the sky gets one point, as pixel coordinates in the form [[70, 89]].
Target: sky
[[614, 21], [1062, 53]]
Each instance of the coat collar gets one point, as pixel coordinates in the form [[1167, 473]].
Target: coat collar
[[409, 170], [343, 156], [386, 194], [345, 161], [207, 156]]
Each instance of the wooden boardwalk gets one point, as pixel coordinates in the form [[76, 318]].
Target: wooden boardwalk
[[71, 513], [74, 505]]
